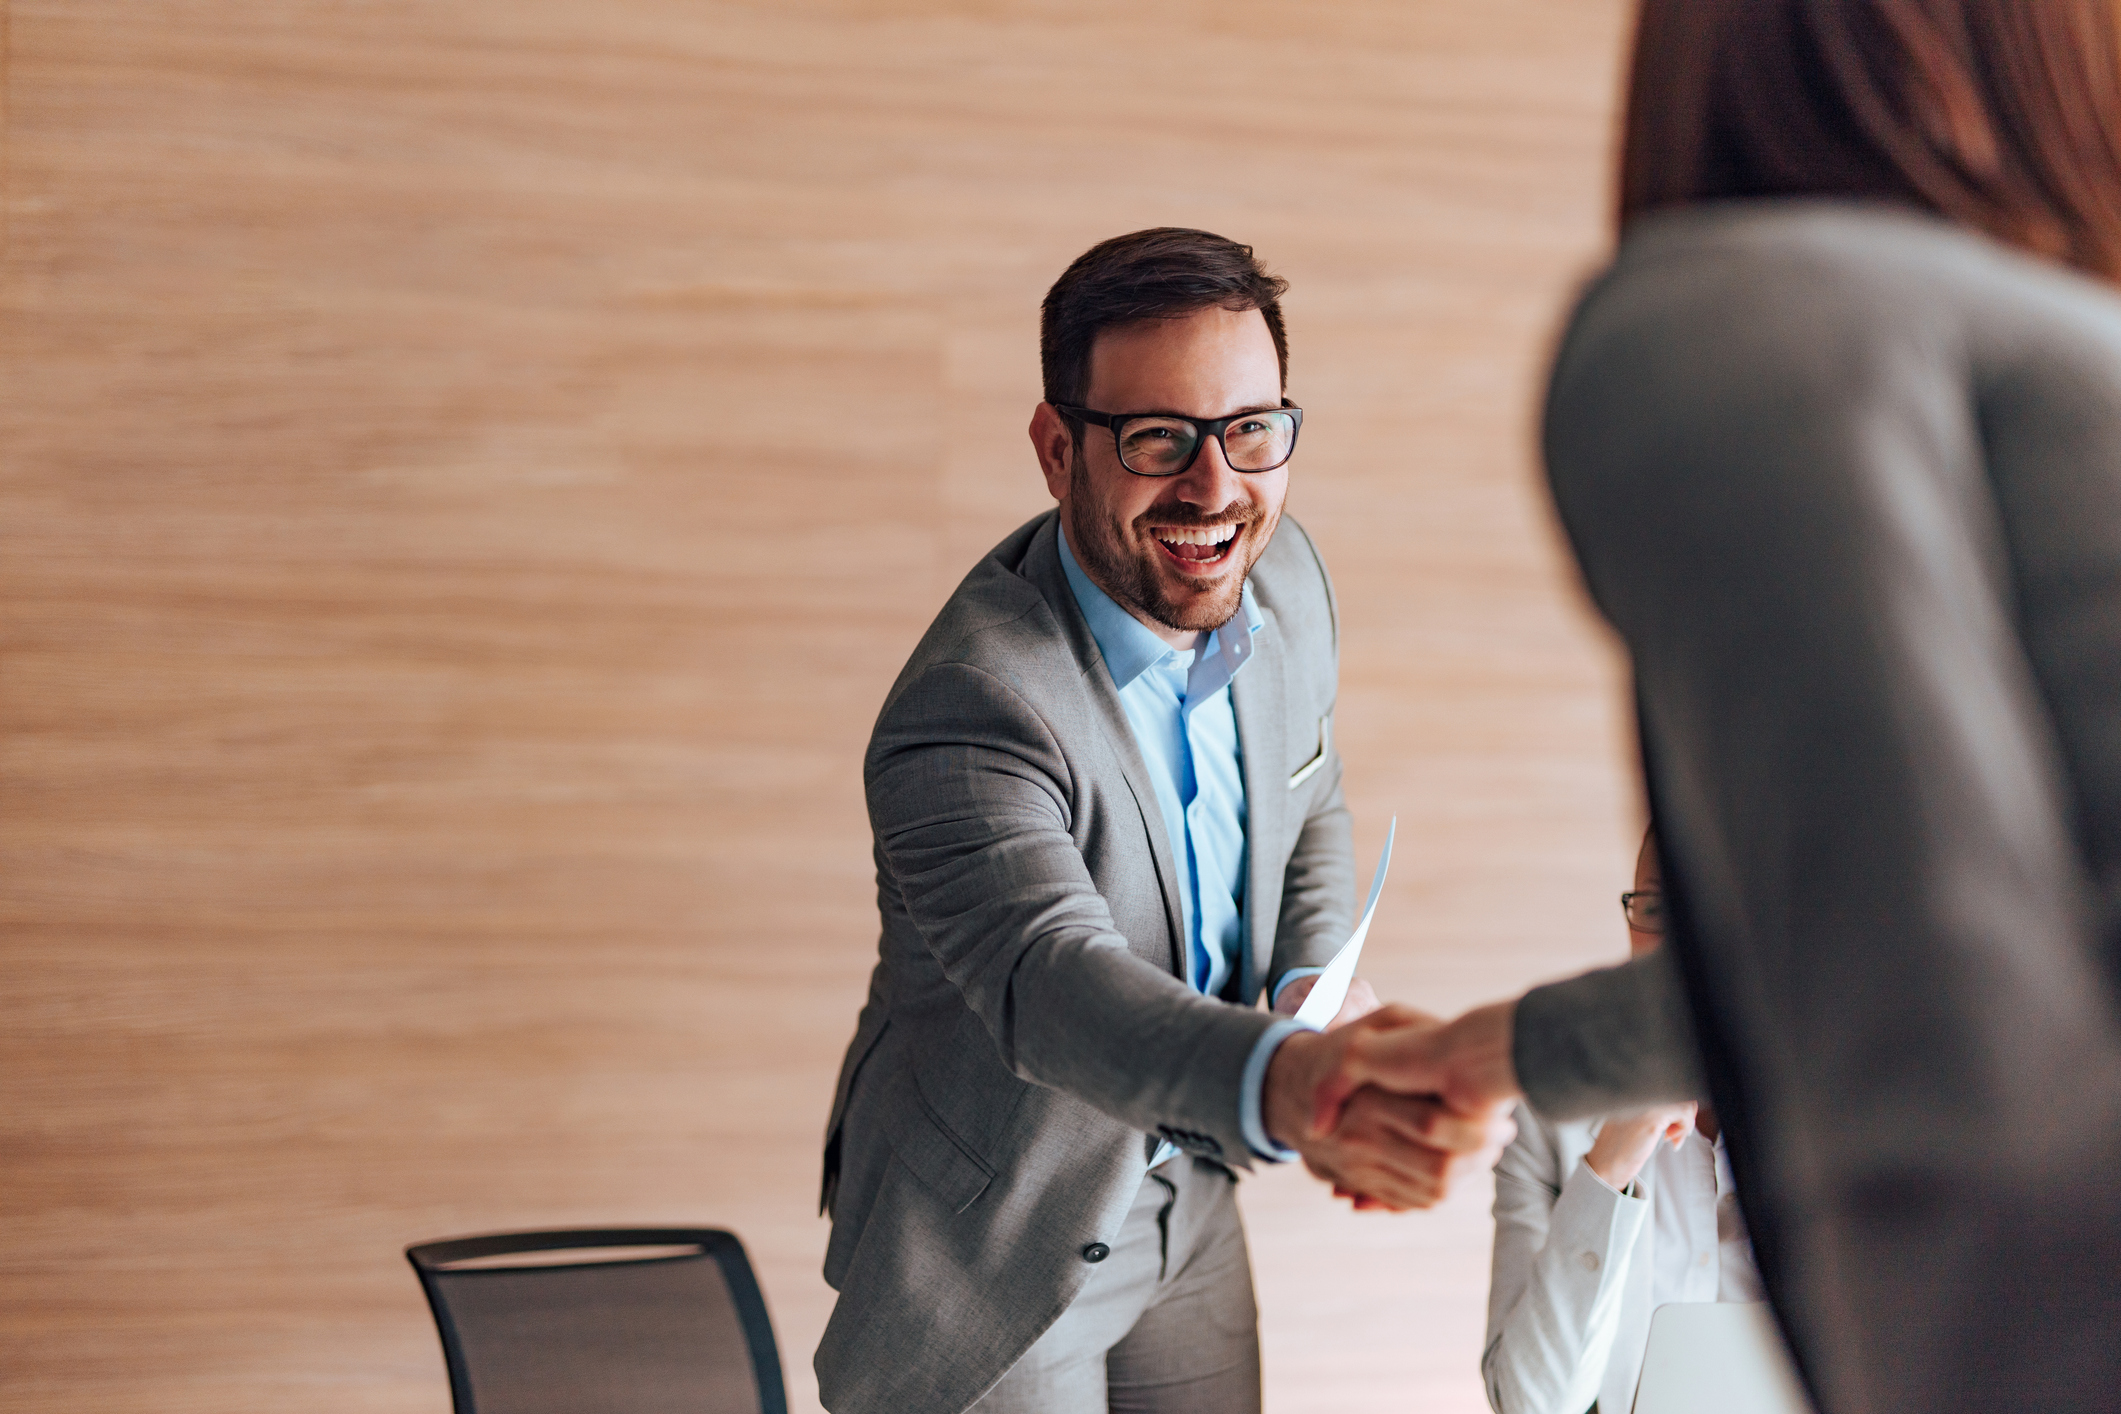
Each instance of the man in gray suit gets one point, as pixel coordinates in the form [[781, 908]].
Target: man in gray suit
[[1108, 824]]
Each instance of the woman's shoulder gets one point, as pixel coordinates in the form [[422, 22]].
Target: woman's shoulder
[[1737, 320], [1788, 289], [1884, 249]]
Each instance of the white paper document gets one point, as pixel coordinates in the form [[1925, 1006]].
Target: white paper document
[[1331, 988]]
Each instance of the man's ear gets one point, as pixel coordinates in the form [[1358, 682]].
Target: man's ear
[[1055, 445]]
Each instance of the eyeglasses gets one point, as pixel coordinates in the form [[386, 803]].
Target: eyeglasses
[[1158, 444], [1644, 909]]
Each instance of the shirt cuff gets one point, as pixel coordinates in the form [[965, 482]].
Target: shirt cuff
[[1255, 1081], [1290, 976], [1633, 1190], [1591, 1216]]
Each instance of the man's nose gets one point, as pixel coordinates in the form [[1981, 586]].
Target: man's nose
[[1211, 481]]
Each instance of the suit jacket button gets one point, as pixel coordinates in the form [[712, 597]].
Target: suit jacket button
[[1096, 1252]]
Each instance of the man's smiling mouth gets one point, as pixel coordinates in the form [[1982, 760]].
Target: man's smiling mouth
[[1197, 546]]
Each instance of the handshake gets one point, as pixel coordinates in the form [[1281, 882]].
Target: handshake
[[1392, 1106]]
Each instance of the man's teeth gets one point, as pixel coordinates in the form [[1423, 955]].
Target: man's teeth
[[1206, 535]]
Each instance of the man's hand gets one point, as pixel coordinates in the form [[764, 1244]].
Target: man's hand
[[1389, 1151], [1625, 1142], [1359, 1002], [1464, 1063]]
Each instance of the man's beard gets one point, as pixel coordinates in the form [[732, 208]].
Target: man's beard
[[1135, 585]]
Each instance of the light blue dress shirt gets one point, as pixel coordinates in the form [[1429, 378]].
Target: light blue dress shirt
[[1178, 704]]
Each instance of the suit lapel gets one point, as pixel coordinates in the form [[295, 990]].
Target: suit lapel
[[1042, 567], [1262, 723]]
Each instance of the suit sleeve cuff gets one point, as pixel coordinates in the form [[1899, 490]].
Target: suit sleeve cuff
[[1290, 976], [1616, 1039], [1250, 1111]]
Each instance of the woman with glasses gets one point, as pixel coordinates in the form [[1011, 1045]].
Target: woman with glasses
[[1598, 1223]]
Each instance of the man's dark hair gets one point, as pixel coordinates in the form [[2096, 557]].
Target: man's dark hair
[[1164, 273]]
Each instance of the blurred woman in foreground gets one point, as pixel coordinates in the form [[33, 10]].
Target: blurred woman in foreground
[[1837, 441]]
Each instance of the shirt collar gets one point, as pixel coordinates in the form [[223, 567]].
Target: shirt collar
[[1130, 647]]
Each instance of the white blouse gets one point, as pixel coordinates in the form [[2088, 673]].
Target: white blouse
[[1579, 1266], [1702, 1250]]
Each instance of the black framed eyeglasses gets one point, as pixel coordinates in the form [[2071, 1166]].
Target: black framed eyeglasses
[[1644, 909], [1161, 444]]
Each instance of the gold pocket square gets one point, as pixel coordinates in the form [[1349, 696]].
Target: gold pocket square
[[1310, 767]]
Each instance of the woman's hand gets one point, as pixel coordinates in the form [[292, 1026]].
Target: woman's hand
[[1625, 1142]]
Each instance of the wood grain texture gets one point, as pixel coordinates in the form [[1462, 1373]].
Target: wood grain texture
[[471, 471]]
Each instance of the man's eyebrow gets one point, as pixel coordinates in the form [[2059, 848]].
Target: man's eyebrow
[[1196, 417]]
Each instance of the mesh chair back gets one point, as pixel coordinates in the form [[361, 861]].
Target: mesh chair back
[[679, 1331]]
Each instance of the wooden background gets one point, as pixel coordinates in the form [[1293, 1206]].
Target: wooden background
[[471, 470]]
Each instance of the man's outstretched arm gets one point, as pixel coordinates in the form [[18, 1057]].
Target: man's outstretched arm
[[973, 824]]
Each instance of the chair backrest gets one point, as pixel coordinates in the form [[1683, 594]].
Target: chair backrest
[[602, 1321]]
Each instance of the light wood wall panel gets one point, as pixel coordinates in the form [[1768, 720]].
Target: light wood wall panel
[[470, 473]]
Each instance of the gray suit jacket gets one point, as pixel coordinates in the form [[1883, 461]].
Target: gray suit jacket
[[1848, 483], [1029, 1027]]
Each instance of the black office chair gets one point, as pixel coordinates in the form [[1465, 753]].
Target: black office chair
[[658, 1320]]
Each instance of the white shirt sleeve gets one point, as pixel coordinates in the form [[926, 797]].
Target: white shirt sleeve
[[1562, 1245]]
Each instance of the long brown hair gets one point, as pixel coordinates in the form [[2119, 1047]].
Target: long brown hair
[[2003, 115]]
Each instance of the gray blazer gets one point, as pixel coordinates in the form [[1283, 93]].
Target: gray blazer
[[1029, 1028], [1848, 482]]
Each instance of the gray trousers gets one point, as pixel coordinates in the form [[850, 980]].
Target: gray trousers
[[1167, 1324]]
